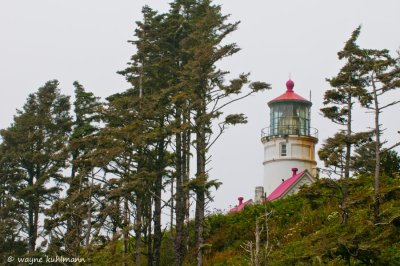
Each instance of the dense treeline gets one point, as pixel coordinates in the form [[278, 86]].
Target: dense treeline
[[89, 175]]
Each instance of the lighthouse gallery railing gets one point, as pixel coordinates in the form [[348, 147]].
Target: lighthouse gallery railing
[[289, 130]]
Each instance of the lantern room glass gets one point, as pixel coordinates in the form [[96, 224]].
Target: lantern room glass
[[290, 118]]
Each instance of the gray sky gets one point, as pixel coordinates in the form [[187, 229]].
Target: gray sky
[[87, 41]]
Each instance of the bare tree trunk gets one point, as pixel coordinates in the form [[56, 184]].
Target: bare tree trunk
[[73, 233], [257, 251], [172, 200], [138, 231], [267, 247], [182, 179], [149, 233], [199, 226], [377, 155], [248, 247], [201, 177], [186, 175], [157, 199], [343, 206], [348, 138], [180, 212], [32, 227], [89, 213], [32, 240], [125, 233]]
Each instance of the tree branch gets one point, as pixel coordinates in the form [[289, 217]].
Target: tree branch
[[391, 221], [234, 100], [221, 130], [390, 148], [390, 104]]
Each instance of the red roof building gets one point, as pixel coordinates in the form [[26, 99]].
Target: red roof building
[[289, 143], [288, 187], [291, 185], [241, 205]]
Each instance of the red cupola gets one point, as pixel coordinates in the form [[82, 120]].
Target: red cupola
[[289, 95]]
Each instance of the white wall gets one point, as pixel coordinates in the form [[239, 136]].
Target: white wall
[[300, 155]]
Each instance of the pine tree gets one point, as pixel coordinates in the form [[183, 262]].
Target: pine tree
[[339, 101], [207, 28], [364, 161], [68, 215], [123, 152], [133, 149], [11, 211], [381, 73], [85, 125], [178, 92], [36, 141], [376, 73], [152, 72]]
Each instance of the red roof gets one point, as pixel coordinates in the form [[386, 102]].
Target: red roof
[[284, 186], [289, 95], [240, 206]]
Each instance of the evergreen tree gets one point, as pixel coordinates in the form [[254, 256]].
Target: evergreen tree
[[135, 155], [207, 28], [86, 123], [11, 211], [181, 93], [123, 153], [381, 73], [36, 142], [176, 30], [68, 216], [364, 161], [376, 73], [339, 101], [152, 73]]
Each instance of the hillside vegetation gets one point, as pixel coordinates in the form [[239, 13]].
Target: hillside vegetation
[[308, 229], [303, 229]]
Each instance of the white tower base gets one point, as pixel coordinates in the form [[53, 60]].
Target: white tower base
[[282, 153]]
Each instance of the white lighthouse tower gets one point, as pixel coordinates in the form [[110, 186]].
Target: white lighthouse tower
[[289, 141]]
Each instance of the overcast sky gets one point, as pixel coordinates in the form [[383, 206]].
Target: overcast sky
[[87, 41]]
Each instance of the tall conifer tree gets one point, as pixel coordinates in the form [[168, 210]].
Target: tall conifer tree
[[207, 28], [37, 141], [68, 216], [11, 210], [373, 73], [381, 73], [152, 73], [347, 86]]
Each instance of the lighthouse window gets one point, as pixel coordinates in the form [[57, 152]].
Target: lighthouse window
[[283, 149], [289, 118]]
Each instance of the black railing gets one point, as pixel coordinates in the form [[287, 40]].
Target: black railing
[[289, 130]]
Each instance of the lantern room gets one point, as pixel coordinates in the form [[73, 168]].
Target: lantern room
[[289, 114]]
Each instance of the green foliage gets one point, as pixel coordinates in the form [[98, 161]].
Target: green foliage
[[306, 229], [364, 161], [36, 145], [346, 86]]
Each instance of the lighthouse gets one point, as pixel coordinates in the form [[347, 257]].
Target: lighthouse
[[289, 143]]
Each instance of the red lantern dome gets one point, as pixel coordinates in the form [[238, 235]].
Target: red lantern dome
[[289, 95]]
